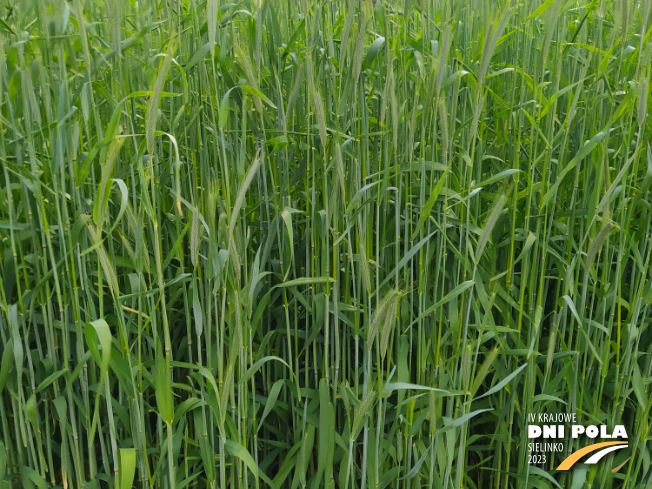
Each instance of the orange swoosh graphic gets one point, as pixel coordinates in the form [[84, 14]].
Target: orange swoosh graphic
[[575, 456]]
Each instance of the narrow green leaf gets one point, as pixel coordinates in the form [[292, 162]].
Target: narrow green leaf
[[427, 208], [503, 382], [488, 228], [127, 467], [271, 401], [243, 454], [254, 368]]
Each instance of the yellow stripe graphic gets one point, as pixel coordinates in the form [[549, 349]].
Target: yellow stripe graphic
[[575, 456]]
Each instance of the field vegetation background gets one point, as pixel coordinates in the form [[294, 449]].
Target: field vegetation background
[[322, 243]]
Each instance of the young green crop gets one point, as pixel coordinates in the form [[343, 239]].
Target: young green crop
[[322, 244]]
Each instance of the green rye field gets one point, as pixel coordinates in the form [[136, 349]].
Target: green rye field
[[322, 243]]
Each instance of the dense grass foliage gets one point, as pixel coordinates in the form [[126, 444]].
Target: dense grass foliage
[[322, 243]]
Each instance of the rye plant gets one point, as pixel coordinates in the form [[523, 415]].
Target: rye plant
[[305, 244]]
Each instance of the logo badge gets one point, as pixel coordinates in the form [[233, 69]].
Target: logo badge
[[555, 433]]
